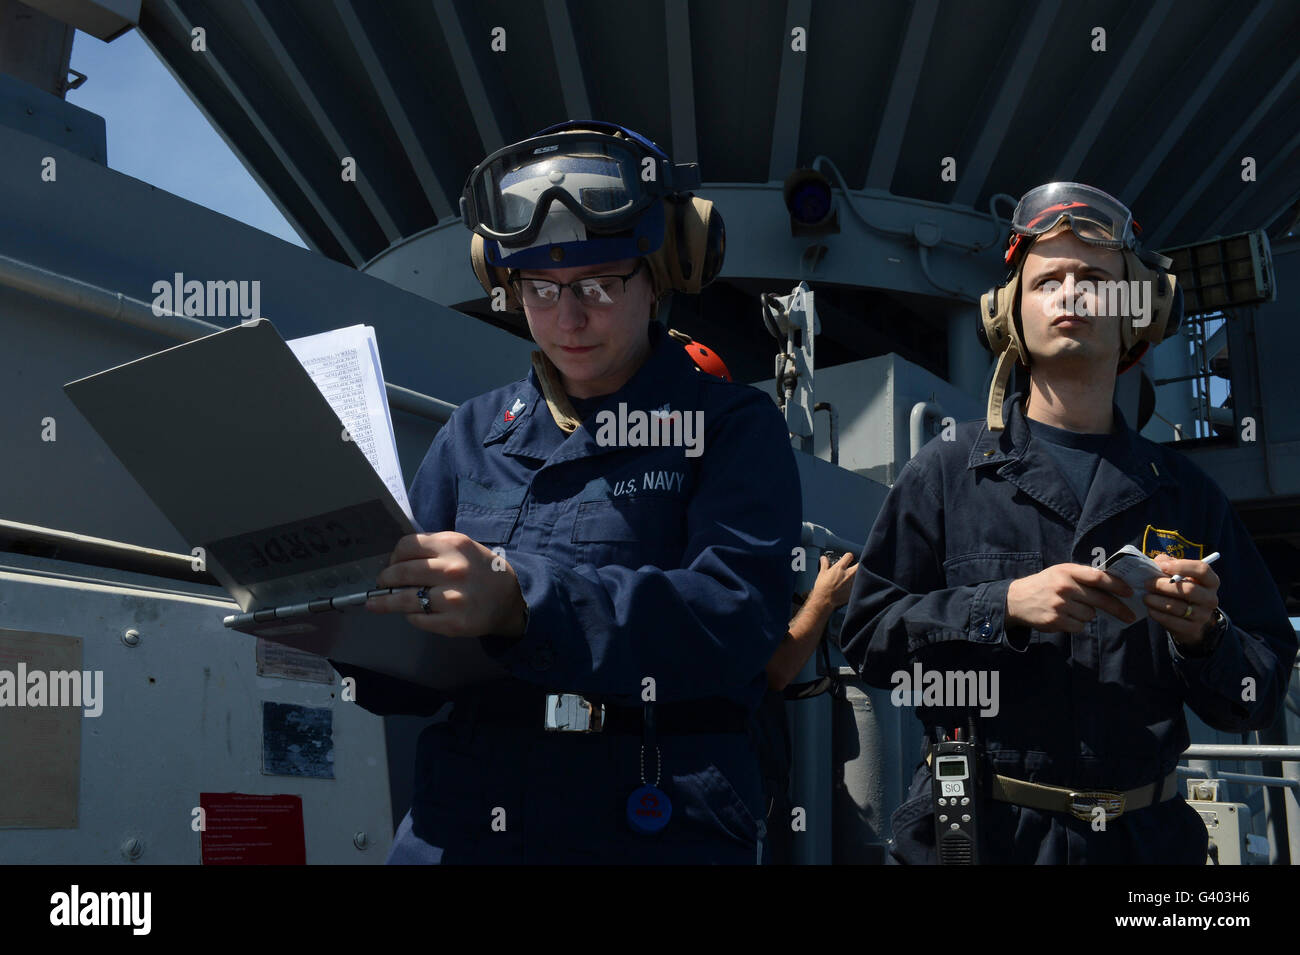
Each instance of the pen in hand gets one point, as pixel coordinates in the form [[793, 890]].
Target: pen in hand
[[1209, 560]]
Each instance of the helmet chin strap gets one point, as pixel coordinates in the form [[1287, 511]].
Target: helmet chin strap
[[557, 399], [998, 390]]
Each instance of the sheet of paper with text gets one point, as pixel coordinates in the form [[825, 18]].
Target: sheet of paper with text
[[344, 364]]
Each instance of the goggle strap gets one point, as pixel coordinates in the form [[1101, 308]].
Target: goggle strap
[[686, 177], [1155, 260]]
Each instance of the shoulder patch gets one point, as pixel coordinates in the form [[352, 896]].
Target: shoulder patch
[[1157, 541]]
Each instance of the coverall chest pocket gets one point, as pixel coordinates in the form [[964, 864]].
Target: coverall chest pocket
[[488, 526], [487, 515], [632, 531], [981, 568]]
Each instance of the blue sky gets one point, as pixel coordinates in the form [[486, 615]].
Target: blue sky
[[157, 134]]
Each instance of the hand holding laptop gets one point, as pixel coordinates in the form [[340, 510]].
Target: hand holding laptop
[[470, 590], [307, 506]]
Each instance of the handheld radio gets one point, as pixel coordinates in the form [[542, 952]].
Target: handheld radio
[[955, 767]]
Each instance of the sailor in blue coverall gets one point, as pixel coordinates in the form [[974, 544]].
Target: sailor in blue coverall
[[620, 566], [983, 558]]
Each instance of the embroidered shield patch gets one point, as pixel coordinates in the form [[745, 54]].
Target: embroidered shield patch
[[1157, 541]]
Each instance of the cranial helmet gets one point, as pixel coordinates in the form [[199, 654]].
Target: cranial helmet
[[586, 192], [1097, 219]]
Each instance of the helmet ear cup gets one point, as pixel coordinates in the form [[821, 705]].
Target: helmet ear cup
[[988, 309], [1174, 323], [693, 248], [715, 245], [1165, 306], [996, 329]]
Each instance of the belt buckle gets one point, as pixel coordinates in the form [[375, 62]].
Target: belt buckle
[[571, 713], [1082, 804]]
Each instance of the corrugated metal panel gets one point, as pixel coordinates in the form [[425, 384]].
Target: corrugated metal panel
[[1014, 92]]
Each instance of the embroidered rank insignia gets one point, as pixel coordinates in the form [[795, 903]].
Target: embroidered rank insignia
[[506, 421], [1157, 541]]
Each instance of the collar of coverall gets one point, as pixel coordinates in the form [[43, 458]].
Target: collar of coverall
[[1011, 443]]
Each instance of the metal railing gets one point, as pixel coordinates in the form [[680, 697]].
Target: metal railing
[[1289, 782], [53, 544]]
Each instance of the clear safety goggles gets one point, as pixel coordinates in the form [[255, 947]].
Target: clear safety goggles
[[605, 181], [1096, 217]]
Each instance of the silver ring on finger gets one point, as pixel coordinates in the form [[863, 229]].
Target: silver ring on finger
[[423, 594]]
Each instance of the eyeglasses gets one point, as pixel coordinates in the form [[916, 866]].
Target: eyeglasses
[[595, 291]]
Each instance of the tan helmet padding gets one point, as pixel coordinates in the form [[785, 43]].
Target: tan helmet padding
[[491, 276]]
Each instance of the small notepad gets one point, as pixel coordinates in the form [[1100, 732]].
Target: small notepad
[[1134, 568]]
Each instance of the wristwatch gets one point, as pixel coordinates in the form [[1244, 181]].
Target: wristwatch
[[1220, 624], [1212, 639]]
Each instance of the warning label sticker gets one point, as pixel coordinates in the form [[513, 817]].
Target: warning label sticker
[[250, 829]]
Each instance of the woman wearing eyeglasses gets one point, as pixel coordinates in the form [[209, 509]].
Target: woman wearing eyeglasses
[[616, 528]]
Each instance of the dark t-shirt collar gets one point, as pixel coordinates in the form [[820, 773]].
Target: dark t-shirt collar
[[1082, 441]]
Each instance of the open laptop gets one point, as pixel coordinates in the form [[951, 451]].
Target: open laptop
[[238, 448]]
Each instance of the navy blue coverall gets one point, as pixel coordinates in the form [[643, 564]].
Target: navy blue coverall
[[1098, 710], [634, 562]]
